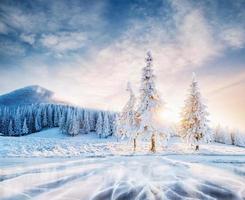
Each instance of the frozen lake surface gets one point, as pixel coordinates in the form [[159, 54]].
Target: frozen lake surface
[[139, 177], [48, 165]]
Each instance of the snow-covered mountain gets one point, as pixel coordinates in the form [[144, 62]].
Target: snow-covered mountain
[[29, 95]]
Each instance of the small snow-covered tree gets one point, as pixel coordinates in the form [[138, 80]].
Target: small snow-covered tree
[[62, 121], [50, 116], [44, 118], [149, 105], [194, 122], [74, 126], [17, 122], [239, 138], [10, 128], [86, 124], [92, 120], [126, 126], [38, 119], [37, 124], [25, 128], [56, 116], [106, 125], [99, 124]]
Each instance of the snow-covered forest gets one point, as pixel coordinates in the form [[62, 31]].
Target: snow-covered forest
[[71, 120]]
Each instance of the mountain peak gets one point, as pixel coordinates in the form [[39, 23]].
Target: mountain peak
[[28, 95]]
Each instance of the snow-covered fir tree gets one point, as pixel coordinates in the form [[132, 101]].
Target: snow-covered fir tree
[[99, 125], [10, 128], [126, 126], [38, 119], [25, 128], [37, 124], [74, 126], [17, 122], [62, 122], [149, 105], [86, 124], [92, 123], [194, 122], [106, 125], [50, 116], [44, 118]]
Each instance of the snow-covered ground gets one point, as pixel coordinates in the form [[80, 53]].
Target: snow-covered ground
[[51, 143], [49, 165]]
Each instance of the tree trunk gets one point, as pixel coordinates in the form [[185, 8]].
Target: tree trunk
[[134, 144], [153, 144]]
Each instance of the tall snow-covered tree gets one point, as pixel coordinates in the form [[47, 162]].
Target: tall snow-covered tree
[[149, 105], [126, 126], [25, 128], [194, 122]]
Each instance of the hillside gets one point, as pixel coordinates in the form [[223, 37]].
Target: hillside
[[28, 95]]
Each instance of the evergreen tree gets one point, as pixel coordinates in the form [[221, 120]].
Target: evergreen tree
[[126, 119], [37, 125], [194, 123], [10, 128], [44, 118], [50, 116], [25, 128], [92, 123], [149, 105], [17, 122], [56, 116], [62, 122], [99, 125], [106, 125], [86, 124], [74, 126]]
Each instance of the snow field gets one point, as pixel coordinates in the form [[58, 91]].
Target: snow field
[[51, 143]]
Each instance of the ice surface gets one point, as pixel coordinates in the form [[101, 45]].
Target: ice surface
[[124, 177]]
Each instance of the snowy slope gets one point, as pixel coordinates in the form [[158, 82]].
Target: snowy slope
[[28, 95], [51, 142]]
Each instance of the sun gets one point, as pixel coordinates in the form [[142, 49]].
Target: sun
[[168, 115]]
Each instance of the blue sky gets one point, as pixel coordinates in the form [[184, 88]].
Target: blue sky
[[86, 51]]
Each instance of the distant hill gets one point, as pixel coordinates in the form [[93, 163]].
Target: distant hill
[[29, 95]]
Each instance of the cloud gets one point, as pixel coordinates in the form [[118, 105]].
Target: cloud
[[3, 28], [57, 26], [9, 48], [63, 41], [234, 37], [46, 16], [28, 38]]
